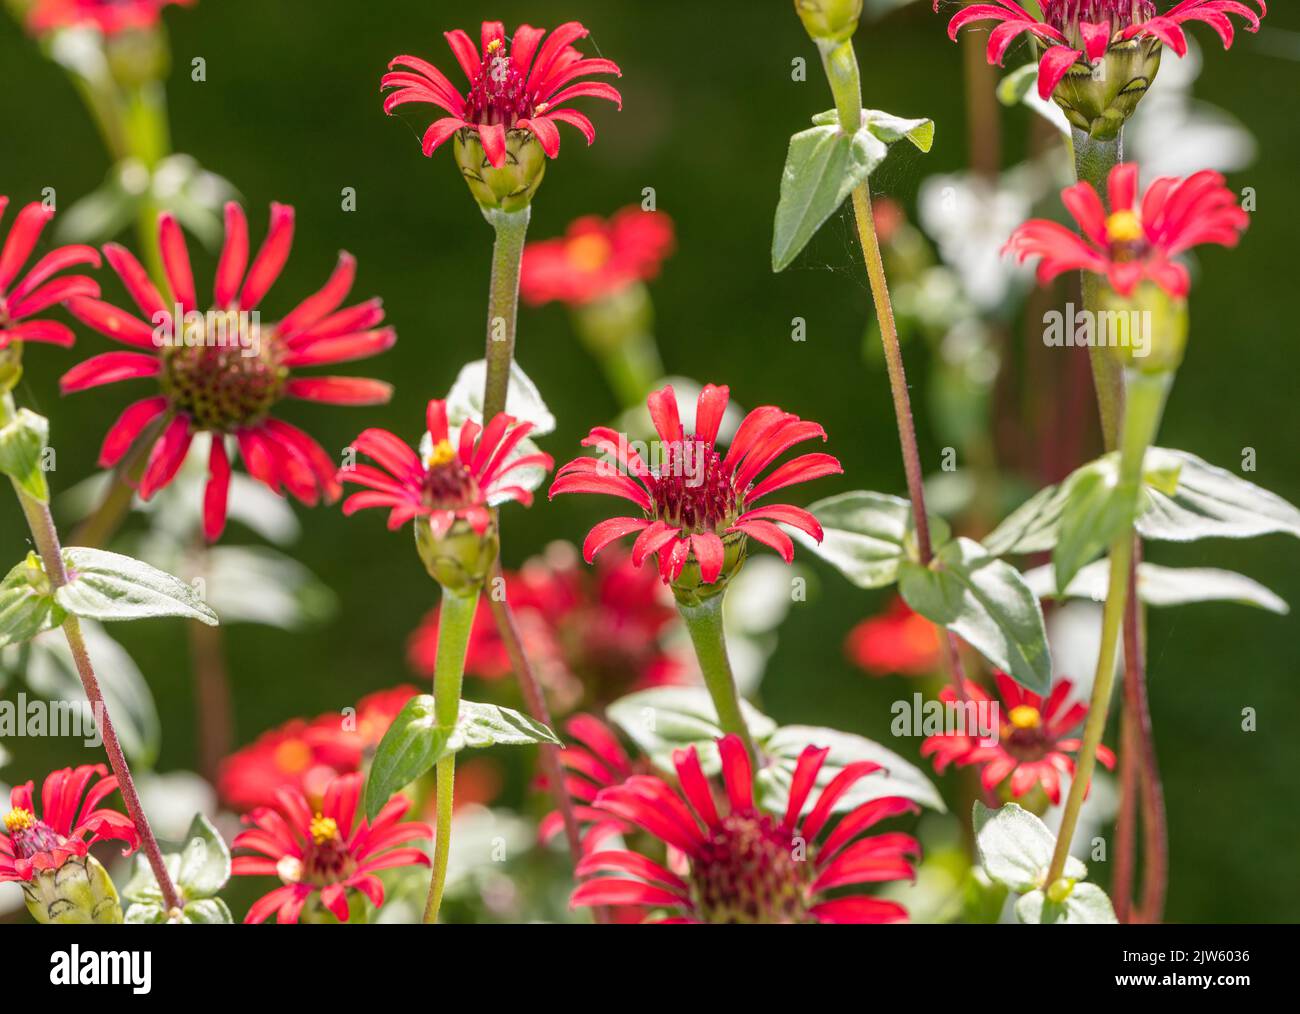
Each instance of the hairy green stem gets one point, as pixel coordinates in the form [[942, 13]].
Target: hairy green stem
[[1144, 405], [455, 619], [704, 623], [511, 229]]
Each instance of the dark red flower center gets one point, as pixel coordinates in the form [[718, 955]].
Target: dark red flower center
[[1065, 15], [327, 860], [1126, 237], [448, 483], [1024, 736], [224, 374], [693, 490], [30, 835], [499, 93], [751, 871]]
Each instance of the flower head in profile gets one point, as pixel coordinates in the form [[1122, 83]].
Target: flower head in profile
[[1034, 743], [1135, 240], [327, 858], [597, 258], [507, 125], [24, 296], [109, 16], [699, 507], [742, 864], [308, 755], [897, 641], [223, 371], [70, 819], [591, 636], [1099, 57]]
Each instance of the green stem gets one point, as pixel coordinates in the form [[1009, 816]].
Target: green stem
[[1144, 405], [704, 622], [632, 368], [455, 618], [503, 305], [149, 141], [46, 538]]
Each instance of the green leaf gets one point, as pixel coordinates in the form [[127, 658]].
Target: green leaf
[[1098, 509], [26, 606], [143, 885], [1031, 527], [822, 167], [783, 747], [108, 586], [664, 719], [987, 603], [415, 742], [887, 127], [1015, 848], [205, 860], [1020, 87], [1164, 586], [867, 535], [207, 911], [1087, 904], [22, 446]]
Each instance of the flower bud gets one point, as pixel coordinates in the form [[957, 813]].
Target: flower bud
[[11, 366], [137, 56], [690, 588], [1100, 100], [831, 20], [460, 560], [1148, 330], [511, 187], [80, 892]]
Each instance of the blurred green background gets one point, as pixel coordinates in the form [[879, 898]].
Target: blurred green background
[[290, 111]]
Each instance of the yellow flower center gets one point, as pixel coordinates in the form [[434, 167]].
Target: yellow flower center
[[19, 820], [442, 454], [589, 253], [493, 46], [1025, 717], [1124, 227], [323, 829], [292, 756]]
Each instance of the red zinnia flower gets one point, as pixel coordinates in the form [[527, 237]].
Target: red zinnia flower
[[1135, 242], [67, 825], [521, 84], [223, 372], [697, 504], [1083, 30], [19, 303], [1032, 744], [596, 258], [900, 641], [592, 637], [594, 760], [747, 865], [109, 16], [451, 483], [308, 755], [325, 851]]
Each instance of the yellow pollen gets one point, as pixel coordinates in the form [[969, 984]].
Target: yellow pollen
[[323, 829], [494, 45], [442, 454], [590, 252], [1025, 717], [293, 756], [1124, 227], [19, 820], [541, 107]]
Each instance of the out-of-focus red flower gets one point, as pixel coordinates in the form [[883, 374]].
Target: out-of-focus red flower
[[69, 820], [597, 258], [109, 16], [1135, 241], [521, 83], [697, 506], [1033, 745], [899, 641], [593, 760], [22, 297], [308, 755], [592, 637], [223, 371], [324, 850], [743, 865]]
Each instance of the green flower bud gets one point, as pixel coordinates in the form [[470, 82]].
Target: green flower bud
[[1100, 99], [137, 56], [80, 892], [315, 914], [11, 366], [690, 589], [1147, 330], [460, 560], [511, 187], [833, 20]]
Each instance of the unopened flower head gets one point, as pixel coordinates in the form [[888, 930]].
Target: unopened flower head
[[829, 20], [745, 865], [506, 126], [699, 506], [1097, 58], [223, 371]]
